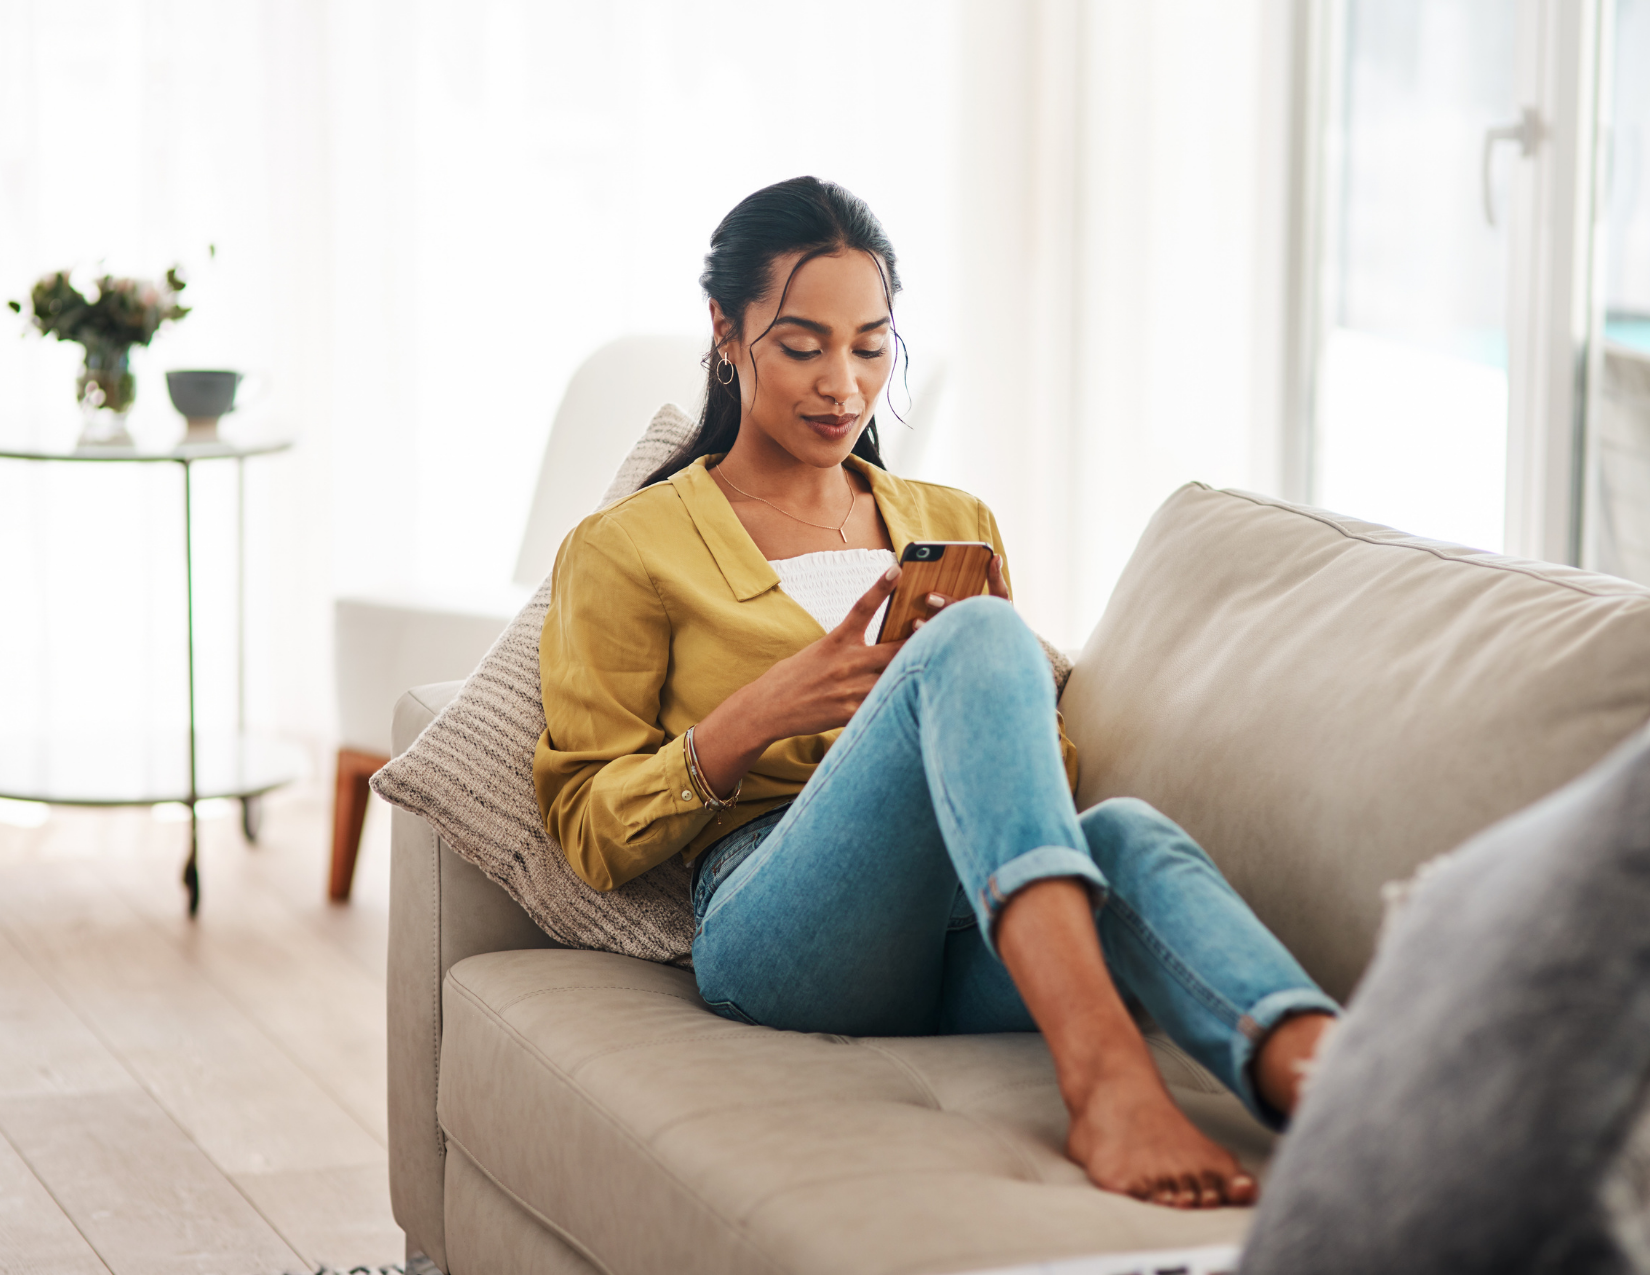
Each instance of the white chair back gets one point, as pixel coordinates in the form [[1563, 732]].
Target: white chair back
[[606, 408]]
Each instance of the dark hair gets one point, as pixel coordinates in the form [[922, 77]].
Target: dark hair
[[816, 218]]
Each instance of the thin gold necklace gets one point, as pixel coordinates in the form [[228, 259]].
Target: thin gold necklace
[[853, 504]]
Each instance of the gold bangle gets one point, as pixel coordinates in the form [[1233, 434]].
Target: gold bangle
[[692, 770], [700, 784], [697, 775]]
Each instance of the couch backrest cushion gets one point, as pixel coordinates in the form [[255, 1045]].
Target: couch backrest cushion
[[1326, 703]]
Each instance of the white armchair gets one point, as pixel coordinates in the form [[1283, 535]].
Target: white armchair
[[383, 645]]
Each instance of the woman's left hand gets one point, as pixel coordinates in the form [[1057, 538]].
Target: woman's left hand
[[993, 581], [994, 578]]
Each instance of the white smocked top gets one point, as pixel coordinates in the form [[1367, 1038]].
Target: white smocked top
[[826, 585]]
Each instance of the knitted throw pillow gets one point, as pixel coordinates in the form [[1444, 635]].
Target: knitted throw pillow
[[469, 775]]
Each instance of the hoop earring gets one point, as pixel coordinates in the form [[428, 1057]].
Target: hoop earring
[[720, 379]]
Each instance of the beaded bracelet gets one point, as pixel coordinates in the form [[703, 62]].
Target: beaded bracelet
[[696, 775]]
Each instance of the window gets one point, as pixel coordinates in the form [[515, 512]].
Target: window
[[1412, 401], [1449, 309]]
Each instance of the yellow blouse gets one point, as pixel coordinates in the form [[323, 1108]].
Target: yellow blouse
[[662, 606]]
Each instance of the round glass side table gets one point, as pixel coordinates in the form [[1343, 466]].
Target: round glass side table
[[187, 767]]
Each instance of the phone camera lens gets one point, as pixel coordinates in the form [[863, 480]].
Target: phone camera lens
[[923, 553]]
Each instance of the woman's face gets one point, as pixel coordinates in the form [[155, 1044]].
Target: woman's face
[[809, 385]]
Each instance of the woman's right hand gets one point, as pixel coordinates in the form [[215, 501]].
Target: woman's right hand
[[822, 685], [817, 689]]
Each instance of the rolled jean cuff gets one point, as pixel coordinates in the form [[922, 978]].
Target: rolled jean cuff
[[1042, 864], [1253, 1028]]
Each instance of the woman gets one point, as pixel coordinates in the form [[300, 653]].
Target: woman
[[883, 837]]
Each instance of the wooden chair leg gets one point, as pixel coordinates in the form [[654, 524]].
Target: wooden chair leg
[[349, 811]]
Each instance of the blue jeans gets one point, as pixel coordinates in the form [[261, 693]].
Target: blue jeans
[[866, 907]]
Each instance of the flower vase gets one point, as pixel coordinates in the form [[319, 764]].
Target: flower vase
[[106, 389]]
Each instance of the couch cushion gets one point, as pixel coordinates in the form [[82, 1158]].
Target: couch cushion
[[1324, 703], [600, 1091]]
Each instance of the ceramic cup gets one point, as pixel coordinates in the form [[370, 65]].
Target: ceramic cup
[[202, 397]]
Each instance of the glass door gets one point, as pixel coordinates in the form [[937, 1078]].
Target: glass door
[[1627, 180], [1448, 367], [1411, 403]]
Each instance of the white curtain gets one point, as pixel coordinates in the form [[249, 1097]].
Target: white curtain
[[426, 213], [1121, 273], [132, 136]]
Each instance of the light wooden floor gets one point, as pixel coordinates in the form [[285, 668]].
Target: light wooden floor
[[191, 1097]]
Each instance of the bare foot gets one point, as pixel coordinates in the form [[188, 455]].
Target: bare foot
[[1130, 1138], [1283, 1064]]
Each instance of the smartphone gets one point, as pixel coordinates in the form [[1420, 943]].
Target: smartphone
[[955, 568]]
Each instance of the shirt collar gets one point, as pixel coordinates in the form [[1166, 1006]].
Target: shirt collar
[[894, 503], [741, 562]]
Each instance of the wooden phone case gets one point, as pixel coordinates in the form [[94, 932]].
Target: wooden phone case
[[959, 572]]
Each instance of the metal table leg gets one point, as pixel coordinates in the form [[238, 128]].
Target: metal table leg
[[252, 818], [191, 867], [251, 811]]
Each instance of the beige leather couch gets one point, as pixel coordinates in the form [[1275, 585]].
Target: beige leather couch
[[1323, 703]]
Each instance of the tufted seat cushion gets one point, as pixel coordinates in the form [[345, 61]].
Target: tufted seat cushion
[[649, 1133]]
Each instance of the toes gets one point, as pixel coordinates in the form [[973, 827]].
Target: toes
[[1211, 1191], [1166, 1191], [1189, 1194], [1241, 1189]]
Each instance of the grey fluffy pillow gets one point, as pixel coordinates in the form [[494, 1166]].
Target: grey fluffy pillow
[[470, 776], [1482, 1107]]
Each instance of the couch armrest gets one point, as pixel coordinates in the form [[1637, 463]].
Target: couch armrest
[[442, 909]]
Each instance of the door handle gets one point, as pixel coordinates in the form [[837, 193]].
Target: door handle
[[1527, 133]]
